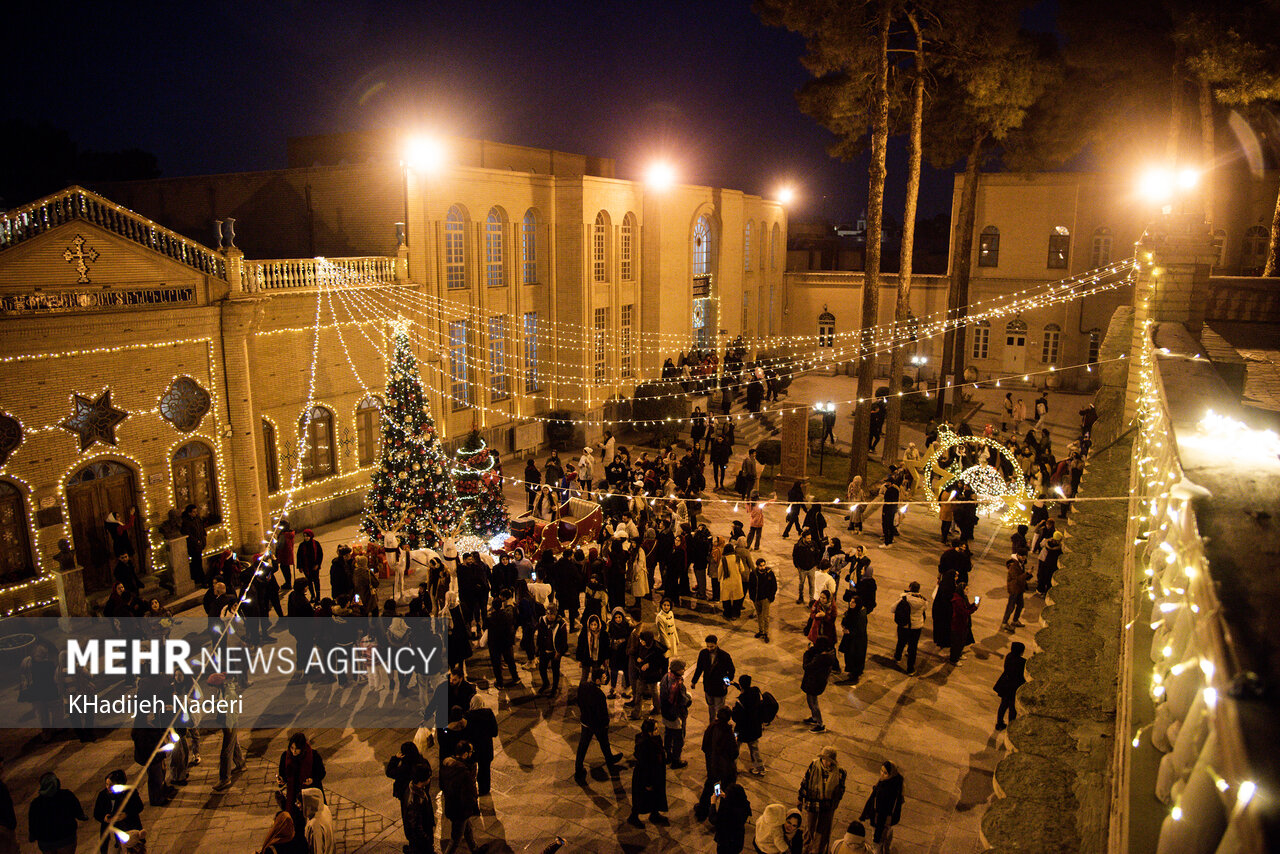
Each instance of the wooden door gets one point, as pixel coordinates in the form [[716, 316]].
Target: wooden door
[[1015, 352], [95, 491]]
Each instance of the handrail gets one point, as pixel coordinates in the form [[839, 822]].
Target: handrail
[[307, 273], [23, 223]]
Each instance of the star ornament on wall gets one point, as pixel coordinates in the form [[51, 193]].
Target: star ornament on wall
[[94, 420]]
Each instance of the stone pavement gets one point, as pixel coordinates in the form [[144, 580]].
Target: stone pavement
[[938, 727]]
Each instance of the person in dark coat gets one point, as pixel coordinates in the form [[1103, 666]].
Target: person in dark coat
[[400, 768], [719, 455], [865, 589], [51, 820], [961, 621], [746, 721], [1011, 679], [458, 795], [551, 642], [853, 645], [502, 641], [284, 552], [717, 666], [593, 713], [418, 812], [310, 557], [109, 801], [720, 751], [730, 810], [301, 625], [816, 523], [532, 480], [941, 609], [889, 512], [301, 767], [957, 561], [193, 526], [481, 730], [795, 511], [459, 635], [818, 662], [884, 806], [876, 428], [649, 777]]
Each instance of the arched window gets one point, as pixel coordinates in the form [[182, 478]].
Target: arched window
[[626, 251], [1015, 327], [1220, 241], [773, 248], [981, 342], [826, 328], [16, 562], [989, 247], [746, 247], [600, 248], [1052, 342], [1100, 256], [317, 450], [529, 247], [495, 226], [1095, 344], [195, 481], [455, 257], [702, 247], [1253, 252], [368, 424], [270, 456], [1059, 247]]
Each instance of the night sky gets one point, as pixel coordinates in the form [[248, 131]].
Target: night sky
[[220, 86]]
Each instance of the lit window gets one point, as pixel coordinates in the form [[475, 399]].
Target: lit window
[[455, 264], [1095, 344], [368, 422], [601, 344], [989, 247], [495, 272], [981, 340], [1052, 339], [459, 388], [270, 456], [1059, 248], [826, 329], [317, 452], [194, 481], [498, 358], [600, 248], [626, 250], [773, 249], [1100, 256], [530, 352], [529, 247], [746, 247], [624, 340], [702, 247]]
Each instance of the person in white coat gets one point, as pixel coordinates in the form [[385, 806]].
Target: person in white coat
[[586, 468], [319, 829]]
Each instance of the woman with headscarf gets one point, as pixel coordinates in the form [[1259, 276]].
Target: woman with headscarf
[[884, 808], [857, 498], [300, 768], [649, 777], [279, 838], [665, 621], [400, 768], [778, 831], [731, 586], [481, 730], [961, 621], [593, 647], [822, 619], [1011, 679], [53, 816], [319, 827], [941, 608], [546, 505], [459, 635]]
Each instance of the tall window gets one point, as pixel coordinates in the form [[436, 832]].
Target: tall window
[[624, 340], [498, 358], [1095, 344], [626, 250], [600, 248], [529, 247], [1100, 256], [1253, 251], [989, 247], [530, 352], [317, 450], [495, 266], [15, 536], [455, 259], [270, 456], [368, 420], [773, 249], [702, 247], [1220, 241], [981, 332], [1052, 339], [1059, 247], [746, 247], [601, 344], [826, 329], [459, 388]]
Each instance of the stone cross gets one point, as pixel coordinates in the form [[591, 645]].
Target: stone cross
[[79, 255]]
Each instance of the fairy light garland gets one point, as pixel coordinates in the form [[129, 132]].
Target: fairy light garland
[[993, 490]]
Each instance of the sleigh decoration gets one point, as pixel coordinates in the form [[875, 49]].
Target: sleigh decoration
[[578, 521]]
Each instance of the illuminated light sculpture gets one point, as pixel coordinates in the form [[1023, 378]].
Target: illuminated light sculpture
[[477, 477], [996, 494]]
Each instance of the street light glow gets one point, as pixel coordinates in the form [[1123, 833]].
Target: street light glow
[[424, 154], [1188, 179], [1156, 185], [661, 175], [786, 195]]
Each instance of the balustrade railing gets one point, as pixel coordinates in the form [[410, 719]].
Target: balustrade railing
[[309, 273], [77, 203]]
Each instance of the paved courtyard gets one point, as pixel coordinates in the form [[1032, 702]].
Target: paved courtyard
[[938, 726]]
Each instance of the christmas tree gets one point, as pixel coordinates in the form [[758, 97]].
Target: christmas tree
[[412, 481], [478, 478]]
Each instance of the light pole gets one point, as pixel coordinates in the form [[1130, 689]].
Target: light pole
[[919, 362]]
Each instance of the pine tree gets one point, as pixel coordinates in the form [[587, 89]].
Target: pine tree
[[413, 480], [478, 479]]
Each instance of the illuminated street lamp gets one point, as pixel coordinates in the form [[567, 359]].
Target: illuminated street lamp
[[1164, 187], [919, 362], [423, 155], [786, 195], [661, 175]]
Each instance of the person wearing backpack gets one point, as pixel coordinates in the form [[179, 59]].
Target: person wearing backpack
[[748, 726], [908, 614]]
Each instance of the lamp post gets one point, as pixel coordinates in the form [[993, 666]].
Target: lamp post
[[919, 362]]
